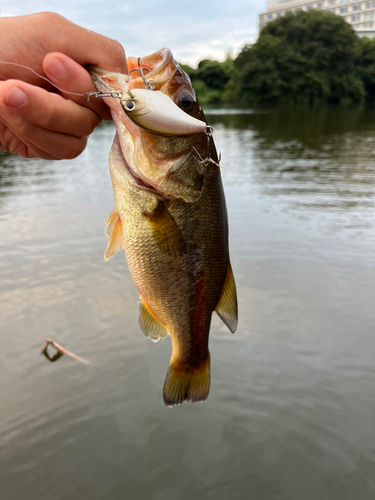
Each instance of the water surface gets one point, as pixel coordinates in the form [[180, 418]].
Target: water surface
[[291, 409]]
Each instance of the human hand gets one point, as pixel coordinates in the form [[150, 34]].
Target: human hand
[[36, 122]]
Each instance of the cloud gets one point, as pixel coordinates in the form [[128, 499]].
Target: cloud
[[193, 29]]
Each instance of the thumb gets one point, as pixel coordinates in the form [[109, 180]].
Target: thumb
[[74, 81]]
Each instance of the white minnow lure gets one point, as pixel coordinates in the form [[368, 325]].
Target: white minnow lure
[[151, 110], [155, 112]]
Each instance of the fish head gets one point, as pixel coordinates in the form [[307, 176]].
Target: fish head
[[168, 77], [165, 162]]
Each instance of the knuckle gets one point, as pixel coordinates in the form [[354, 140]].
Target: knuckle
[[117, 51], [17, 147], [50, 118], [25, 128], [73, 149], [47, 18], [11, 143], [93, 123], [89, 120], [86, 126]]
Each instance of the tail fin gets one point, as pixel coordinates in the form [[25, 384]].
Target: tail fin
[[187, 383]]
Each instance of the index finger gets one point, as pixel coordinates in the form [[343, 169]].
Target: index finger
[[84, 46], [25, 41]]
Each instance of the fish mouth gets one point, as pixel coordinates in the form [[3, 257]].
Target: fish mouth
[[125, 144], [131, 137], [140, 183], [158, 67], [153, 162]]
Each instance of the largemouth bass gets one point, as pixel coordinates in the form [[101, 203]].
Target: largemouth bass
[[170, 218]]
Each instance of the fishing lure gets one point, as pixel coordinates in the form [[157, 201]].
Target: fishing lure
[[152, 110], [149, 109]]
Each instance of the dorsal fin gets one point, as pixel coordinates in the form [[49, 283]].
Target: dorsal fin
[[150, 325], [227, 306], [115, 236]]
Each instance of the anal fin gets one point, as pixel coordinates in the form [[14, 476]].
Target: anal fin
[[226, 309], [150, 325]]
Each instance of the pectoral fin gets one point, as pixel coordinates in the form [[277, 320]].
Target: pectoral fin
[[115, 237], [165, 230], [150, 325], [227, 306], [111, 221]]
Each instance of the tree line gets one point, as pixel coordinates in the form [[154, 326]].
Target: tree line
[[308, 58]]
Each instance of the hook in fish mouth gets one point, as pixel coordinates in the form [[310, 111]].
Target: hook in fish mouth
[[112, 77], [122, 79], [149, 84], [153, 65]]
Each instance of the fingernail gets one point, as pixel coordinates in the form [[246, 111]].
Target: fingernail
[[16, 98], [55, 68]]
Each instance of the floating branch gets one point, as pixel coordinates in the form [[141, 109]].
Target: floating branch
[[60, 351]]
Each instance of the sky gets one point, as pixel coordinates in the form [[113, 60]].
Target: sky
[[192, 29]]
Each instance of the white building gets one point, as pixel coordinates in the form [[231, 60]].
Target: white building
[[361, 15]]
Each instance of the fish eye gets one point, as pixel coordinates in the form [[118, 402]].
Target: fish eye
[[186, 102], [129, 105]]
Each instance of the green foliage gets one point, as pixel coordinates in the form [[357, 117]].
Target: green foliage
[[301, 58], [209, 79], [212, 73], [205, 94], [366, 68], [188, 69]]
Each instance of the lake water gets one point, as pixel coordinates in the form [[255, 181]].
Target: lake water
[[291, 411]]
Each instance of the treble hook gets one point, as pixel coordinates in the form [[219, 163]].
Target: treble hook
[[206, 161], [149, 84]]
